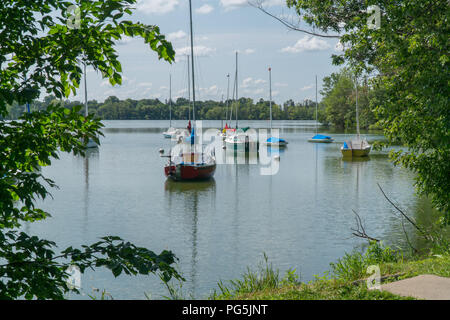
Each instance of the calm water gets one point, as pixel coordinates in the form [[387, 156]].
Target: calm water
[[301, 217]]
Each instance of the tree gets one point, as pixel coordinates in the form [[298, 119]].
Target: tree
[[407, 55], [39, 51], [340, 101]]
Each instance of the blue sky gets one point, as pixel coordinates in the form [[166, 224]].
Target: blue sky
[[220, 28]]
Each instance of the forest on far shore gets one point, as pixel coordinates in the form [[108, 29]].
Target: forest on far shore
[[337, 107]]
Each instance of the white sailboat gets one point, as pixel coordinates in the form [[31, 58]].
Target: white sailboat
[[169, 133], [238, 139], [319, 138], [225, 129], [181, 134], [273, 141], [357, 147]]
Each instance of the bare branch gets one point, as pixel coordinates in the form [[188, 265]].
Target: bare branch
[[258, 5], [360, 232], [407, 238], [426, 236]]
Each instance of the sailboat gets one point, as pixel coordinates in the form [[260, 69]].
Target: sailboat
[[272, 141], [90, 142], [357, 147], [181, 134], [171, 131], [192, 165], [238, 139], [319, 138], [227, 129]]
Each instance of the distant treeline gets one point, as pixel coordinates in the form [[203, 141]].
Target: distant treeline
[[337, 108], [153, 109]]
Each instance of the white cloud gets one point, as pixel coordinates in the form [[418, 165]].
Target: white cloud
[[280, 84], [250, 82], [199, 51], [176, 35], [247, 82], [233, 4], [271, 3], [156, 6], [125, 40], [307, 44], [249, 51], [254, 92], [305, 88], [211, 92], [145, 84], [204, 9]]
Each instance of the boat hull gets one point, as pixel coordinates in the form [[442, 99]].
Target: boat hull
[[181, 172], [321, 140], [276, 145], [355, 153]]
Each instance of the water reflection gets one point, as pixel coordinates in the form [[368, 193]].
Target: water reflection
[[92, 155], [191, 194]]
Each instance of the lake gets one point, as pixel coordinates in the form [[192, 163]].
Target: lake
[[300, 218]]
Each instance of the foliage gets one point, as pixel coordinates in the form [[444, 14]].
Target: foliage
[[153, 109], [339, 101], [265, 277], [337, 288], [39, 51], [408, 57], [105, 295], [353, 266]]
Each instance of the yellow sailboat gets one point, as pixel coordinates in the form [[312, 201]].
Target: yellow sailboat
[[357, 147]]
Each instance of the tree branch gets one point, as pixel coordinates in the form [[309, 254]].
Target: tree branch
[[405, 215], [360, 232], [258, 5]]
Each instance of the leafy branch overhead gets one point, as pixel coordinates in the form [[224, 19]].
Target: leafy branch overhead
[[40, 53], [43, 51]]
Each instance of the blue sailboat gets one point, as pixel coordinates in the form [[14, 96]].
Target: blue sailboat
[[273, 141], [319, 138]]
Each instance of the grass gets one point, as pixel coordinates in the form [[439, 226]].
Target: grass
[[345, 281]]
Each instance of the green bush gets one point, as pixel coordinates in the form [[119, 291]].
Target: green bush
[[353, 266]]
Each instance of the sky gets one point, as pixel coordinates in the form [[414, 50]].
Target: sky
[[221, 27]]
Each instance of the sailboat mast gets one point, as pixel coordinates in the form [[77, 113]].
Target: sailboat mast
[[270, 94], [192, 61], [357, 110], [189, 86], [234, 99], [317, 105], [237, 99], [228, 95], [86, 112], [170, 100]]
